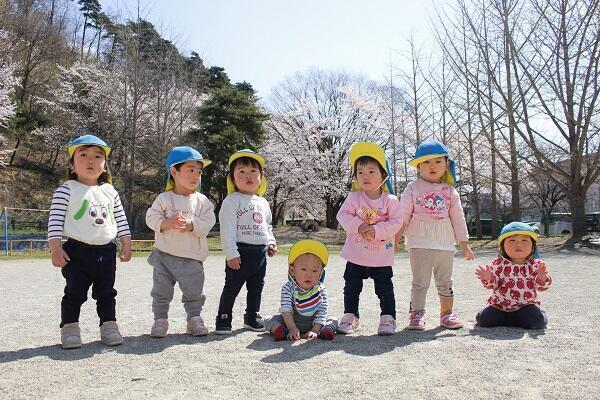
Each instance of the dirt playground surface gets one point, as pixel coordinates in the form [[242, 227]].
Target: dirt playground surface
[[559, 362]]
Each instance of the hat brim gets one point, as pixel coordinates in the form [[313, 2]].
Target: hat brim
[[71, 149], [309, 246], [416, 161], [241, 154], [531, 234]]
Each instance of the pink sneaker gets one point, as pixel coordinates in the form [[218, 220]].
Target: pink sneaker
[[387, 325], [195, 327], [348, 324], [450, 320], [159, 328], [416, 321]]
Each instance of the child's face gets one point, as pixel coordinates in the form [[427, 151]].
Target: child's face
[[89, 163], [306, 270], [246, 178], [433, 169], [187, 179], [369, 176], [518, 248]]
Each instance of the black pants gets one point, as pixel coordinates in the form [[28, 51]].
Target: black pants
[[384, 288], [89, 265], [252, 273], [527, 317]]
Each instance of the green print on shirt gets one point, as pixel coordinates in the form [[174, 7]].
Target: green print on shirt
[[81, 211], [112, 214]]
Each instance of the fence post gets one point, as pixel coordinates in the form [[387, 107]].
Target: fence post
[[11, 248], [6, 228], [30, 248]]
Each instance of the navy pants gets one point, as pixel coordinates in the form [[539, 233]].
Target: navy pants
[[94, 266], [252, 273], [384, 288], [527, 317]]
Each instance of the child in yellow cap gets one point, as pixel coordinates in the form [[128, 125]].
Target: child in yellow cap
[[88, 211], [515, 276], [247, 238], [304, 297], [371, 217]]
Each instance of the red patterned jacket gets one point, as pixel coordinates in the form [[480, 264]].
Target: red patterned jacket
[[515, 285]]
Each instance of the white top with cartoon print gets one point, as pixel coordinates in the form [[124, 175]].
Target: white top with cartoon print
[[434, 216], [89, 214], [246, 219]]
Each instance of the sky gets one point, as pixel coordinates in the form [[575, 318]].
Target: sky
[[265, 41]]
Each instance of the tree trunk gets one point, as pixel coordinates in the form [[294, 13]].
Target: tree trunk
[[14, 153], [577, 203], [332, 208]]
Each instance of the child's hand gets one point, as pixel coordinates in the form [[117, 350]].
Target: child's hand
[[234, 263], [466, 250], [125, 252], [272, 250], [542, 274], [293, 334], [366, 231], [60, 258], [310, 335], [484, 274], [177, 222]]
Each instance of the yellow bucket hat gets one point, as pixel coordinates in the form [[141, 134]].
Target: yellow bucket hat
[[375, 151], [308, 246], [262, 187]]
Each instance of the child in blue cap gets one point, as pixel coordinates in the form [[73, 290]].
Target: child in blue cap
[[88, 211], [515, 277], [434, 220], [180, 217], [247, 239]]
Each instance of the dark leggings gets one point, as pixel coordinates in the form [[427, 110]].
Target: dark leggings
[[527, 317]]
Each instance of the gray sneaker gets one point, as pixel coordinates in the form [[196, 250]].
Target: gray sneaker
[[70, 337], [109, 333]]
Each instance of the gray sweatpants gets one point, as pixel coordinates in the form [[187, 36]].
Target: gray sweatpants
[[187, 272], [423, 262], [303, 323]]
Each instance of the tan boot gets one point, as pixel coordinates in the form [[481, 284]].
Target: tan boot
[[70, 337], [109, 333]]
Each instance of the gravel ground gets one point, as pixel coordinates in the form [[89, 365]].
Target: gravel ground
[[560, 362]]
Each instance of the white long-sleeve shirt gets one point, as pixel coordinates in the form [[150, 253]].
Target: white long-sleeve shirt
[[246, 219], [195, 207]]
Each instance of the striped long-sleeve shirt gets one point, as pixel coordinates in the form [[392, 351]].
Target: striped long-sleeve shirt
[[312, 302], [89, 214]]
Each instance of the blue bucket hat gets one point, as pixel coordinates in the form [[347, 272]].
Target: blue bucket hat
[[433, 149], [518, 228], [180, 155], [87, 140]]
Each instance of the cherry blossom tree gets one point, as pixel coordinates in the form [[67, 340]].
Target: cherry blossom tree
[[316, 117]]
